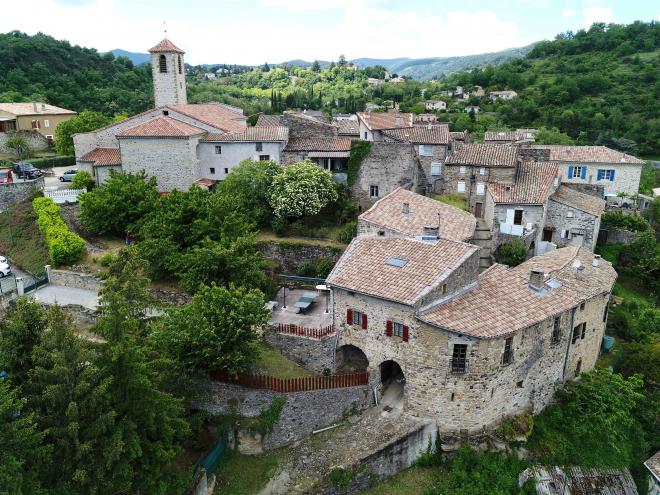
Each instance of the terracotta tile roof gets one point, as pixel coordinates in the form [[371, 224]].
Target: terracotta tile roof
[[503, 302], [367, 266], [458, 136], [489, 155], [348, 127], [103, 156], [28, 109], [579, 200], [261, 133], [162, 127], [501, 136], [223, 117], [587, 154], [420, 134], [387, 212], [391, 120], [319, 144], [532, 187], [269, 120], [165, 46], [653, 465]]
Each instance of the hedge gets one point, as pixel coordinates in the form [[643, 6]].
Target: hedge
[[53, 161], [618, 219], [64, 247]]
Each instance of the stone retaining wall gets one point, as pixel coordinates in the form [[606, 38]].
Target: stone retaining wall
[[303, 412], [15, 192], [289, 255], [619, 236], [313, 354], [36, 140], [75, 280]]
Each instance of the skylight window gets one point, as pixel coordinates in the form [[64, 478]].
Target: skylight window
[[553, 283], [398, 262]]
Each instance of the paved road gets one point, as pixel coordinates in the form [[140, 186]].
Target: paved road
[[58, 294]]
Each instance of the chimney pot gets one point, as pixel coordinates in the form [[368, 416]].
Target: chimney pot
[[43, 106], [596, 260], [34, 106], [433, 232], [406, 208], [536, 278]]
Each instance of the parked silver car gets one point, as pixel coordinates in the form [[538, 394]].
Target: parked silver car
[[68, 175]]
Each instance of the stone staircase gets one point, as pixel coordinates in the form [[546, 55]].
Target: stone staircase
[[484, 239]]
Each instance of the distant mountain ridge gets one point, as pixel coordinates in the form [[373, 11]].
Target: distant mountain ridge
[[416, 68]]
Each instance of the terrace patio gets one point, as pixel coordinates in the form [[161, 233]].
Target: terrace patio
[[313, 317]]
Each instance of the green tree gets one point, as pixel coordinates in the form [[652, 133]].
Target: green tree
[[84, 122], [302, 189], [552, 136], [512, 253], [119, 204], [216, 330], [18, 142], [22, 452], [149, 423], [316, 67], [20, 330], [83, 180]]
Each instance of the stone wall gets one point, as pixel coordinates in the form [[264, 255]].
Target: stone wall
[[36, 141], [583, 226], [434, 182], [626, 176], [289, 255], [451, 175], [303, 412], [619, 236], [307, 127], [15, 192], [74, 279], [313, 354], [169, 86], [596, 190]]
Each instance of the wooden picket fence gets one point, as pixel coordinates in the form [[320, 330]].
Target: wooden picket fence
[[314, 333], [284, 385]]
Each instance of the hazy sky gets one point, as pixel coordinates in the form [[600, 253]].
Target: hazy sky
[[254, 31]]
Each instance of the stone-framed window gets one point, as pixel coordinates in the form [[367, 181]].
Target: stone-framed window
[[579, 332], [507, 355], [481, 189], [226, 170], [462, 169], [425, 150], [162, 64], [396, 329], [373, 191], [46, 123], [460, 186], [218, 149], [459, 362], [356, 317], [436, 168], [556, 331], [482, 170]]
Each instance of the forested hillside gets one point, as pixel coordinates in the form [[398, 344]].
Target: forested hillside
[[600, 84], [42, 68]]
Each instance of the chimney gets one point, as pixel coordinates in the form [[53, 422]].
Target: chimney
[[536, 278], [596, 260], [43, 107], [398, 120], [431, 232], [406, 208], [34, 106]]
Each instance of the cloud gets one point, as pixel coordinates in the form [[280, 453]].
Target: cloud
[[597, 14], [568, 13], [252, 32]]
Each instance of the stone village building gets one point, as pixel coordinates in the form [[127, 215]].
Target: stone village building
[[35, 116]]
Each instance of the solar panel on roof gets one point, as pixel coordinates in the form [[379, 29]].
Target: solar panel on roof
[[399, 262]]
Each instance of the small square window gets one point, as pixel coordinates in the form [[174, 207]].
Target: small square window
[[259, 146], [397, 329], [460, 186], [577, 173], [582, 306], [218, 149], [226, 170], [373, 191], [482, 171], [357, 318], [212, 170], [436, 168], [462, 169], [519, 384], [264, 158]]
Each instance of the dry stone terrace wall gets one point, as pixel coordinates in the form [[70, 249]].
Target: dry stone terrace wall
[[313, 354], [74, 279], [36, 141], [288, 255], [303, 412], [15, 192]]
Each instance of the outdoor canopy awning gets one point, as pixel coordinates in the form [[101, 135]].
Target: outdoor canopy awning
[[328, 154]]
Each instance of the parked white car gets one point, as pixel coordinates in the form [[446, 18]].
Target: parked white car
[[5, 270], [3, 259]]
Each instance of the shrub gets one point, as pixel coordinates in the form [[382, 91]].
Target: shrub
[[6, 164], [307, 269], [107, 259], [520, 425], [359, 151], [323, 267], [340, 477], [347, 232], [620, 220], [54, 161], [279, 226], [512, 253], [267, 418], [64, 247], [83, 180]]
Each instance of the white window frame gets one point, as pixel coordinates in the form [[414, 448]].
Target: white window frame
[[577, 172], [425, 150], [481, 189], [357, 317], [460, 186], [607, 175], [373, 188], [462, 169], [46, 123], [436, 166], [482, 170]]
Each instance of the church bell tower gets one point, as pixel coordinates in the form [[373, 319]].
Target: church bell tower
[[168, 73]]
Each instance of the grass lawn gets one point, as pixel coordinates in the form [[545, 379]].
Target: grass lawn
[[240, 474], [28, 249], [453, 199], [277, 365], [268, 235], [411, 481]]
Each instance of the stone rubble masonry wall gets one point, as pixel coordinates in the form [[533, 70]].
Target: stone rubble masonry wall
[[316, 355], [388, 166], [15, 192], [626, 176], [557, 216], [434, 181], [620, 236], [36, 141], [303, 412], [289, 256], [302, 127], [74, 279], [534, 214], [170, 86], [451, 174], [489, 392], [596, 190], [173, 162]]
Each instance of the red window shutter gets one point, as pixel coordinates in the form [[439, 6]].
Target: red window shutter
[[349, 316], [388, 329], [364, 321], [405, 333]]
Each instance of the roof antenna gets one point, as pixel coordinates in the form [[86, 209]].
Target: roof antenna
[[165, 28]]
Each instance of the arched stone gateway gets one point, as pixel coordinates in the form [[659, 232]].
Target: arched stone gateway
[[393, 383], [391, 372], [351, 359]]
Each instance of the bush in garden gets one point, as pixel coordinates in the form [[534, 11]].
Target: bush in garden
[[64, 246], [83, 180]]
